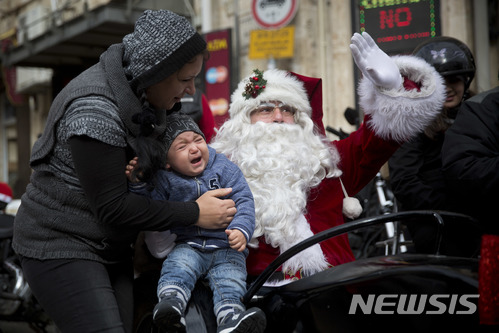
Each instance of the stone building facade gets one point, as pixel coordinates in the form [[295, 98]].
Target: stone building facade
[[44, 43]]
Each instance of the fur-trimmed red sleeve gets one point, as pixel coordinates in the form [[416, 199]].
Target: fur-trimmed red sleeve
[[400, 114]]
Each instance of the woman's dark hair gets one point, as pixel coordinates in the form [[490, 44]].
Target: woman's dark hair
[[150, 151]]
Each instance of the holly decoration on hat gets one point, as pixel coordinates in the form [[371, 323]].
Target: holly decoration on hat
[[255, 85]]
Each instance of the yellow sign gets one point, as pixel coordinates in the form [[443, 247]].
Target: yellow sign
[[272, 43]]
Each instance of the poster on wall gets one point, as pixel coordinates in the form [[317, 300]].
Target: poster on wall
[[217, 74]]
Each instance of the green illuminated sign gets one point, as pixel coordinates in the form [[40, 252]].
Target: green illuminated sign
[[398, 26]]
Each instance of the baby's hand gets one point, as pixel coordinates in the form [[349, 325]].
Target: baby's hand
[[237, 241], [129, 170]]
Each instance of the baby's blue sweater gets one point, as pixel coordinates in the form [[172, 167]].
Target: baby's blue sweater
[[220, 172]]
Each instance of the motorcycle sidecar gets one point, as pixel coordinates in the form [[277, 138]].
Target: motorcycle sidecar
[[400, 292]]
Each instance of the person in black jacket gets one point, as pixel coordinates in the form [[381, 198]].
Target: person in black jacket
[[415, 169], [470, 158]]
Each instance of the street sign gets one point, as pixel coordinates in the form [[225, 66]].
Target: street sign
[[265, 44], [273, 14]]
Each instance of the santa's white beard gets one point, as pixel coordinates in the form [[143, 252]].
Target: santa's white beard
[[281, 163]]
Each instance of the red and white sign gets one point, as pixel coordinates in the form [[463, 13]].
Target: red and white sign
[[274, 14]]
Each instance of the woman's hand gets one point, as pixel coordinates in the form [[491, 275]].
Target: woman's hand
[[215, 213], [374, 64], [132, 165]]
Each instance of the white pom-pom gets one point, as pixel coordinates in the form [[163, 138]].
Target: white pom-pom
[[351, 207]]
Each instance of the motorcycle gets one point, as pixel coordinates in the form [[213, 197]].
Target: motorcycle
[[17, 303]]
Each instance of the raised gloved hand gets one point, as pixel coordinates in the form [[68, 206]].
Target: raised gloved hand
[[374, 64]]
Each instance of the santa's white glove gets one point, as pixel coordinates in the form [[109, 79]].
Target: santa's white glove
[[160, 243], [374, 64]]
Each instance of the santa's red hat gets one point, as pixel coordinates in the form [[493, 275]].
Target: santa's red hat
[[313, 87], [300, 91], [269, 85]]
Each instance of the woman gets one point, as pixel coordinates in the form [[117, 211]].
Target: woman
[[77, 222], [416, 168]]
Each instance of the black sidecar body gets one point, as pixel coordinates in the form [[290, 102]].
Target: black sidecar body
[[390, 292]]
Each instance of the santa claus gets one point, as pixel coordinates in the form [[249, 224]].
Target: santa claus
[[299, 178]]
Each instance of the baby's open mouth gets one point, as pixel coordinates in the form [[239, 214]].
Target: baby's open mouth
[[196, 160]]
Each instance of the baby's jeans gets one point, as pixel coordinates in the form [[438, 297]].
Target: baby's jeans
[[225, 270]]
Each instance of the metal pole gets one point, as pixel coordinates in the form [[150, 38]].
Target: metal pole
[[236, 62], [206, 16], [481, 36]]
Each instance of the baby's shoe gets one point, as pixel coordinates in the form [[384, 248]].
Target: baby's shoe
[[168, 314], [251, 321]]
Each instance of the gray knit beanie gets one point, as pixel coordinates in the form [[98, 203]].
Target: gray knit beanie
[[177, 123], [162, 43]]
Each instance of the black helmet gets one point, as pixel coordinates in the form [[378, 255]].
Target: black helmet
[[449, 56]]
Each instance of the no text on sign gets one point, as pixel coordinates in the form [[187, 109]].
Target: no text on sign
[[277, 44]]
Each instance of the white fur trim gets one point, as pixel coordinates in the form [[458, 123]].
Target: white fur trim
[[281, 86], [401, 114], [277, 283], [311, 260], [5, 198]]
